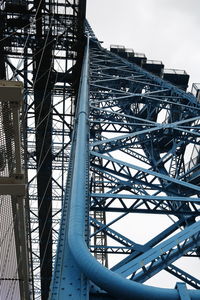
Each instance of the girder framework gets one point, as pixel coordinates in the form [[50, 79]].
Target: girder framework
[[134, 150], [42, 45], [144, 153], [149, 149]]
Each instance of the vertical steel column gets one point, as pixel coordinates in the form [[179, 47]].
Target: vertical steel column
[[43, 124], [42, 44], [2, 55], [183, 292], [68, 281], [80, 183]]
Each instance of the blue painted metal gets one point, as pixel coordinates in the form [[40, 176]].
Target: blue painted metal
[[147, 171], [179, 273], [68, 281], [137, 250], [115, 235], [183, 292], [128, 106], [166, 253], [150, 244], [149, 197]]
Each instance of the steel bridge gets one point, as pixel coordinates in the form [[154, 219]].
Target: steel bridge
[[109, 146]]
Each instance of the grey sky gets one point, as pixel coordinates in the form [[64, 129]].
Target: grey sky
[[166, 30]]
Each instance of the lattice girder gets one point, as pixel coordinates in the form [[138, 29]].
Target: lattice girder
[[144, 159]]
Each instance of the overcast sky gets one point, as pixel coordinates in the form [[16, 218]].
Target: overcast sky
[[166, 30]]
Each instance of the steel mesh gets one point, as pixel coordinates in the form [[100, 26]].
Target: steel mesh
[[9, 279], [7, 146]]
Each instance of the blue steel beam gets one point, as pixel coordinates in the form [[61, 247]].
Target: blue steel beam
[[147, 206], [162, 255], [184, 276], [150, 244], [68, 280], [146, 197], [120, 163], [136, 250], [183, 292], [114, 235], [160, 82]]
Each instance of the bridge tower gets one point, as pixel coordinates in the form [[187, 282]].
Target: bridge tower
[[134, 170], [42, 46], [112, 153]]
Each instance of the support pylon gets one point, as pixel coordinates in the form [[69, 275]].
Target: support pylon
[[139, 136]]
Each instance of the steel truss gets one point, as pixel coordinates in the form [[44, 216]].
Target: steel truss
[[135, 150], [42, 46], [15, 271]]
